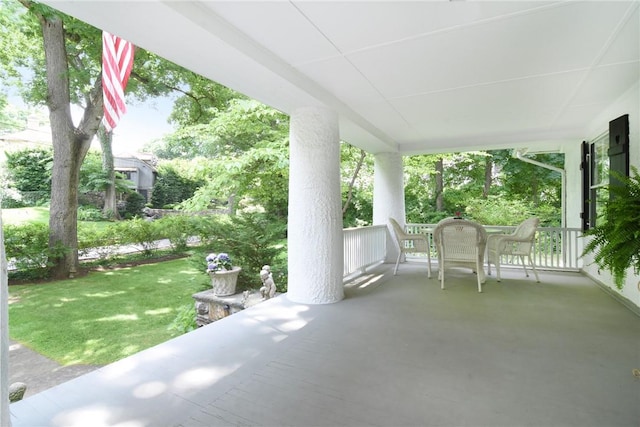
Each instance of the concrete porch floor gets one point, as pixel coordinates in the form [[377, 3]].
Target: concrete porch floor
[[398, 351]]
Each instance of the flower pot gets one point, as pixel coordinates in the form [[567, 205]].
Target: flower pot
[[224, 282]]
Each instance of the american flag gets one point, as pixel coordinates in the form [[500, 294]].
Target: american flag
[[117, 61]]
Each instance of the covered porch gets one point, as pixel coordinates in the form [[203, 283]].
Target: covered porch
[[396, 351], [427, 77]]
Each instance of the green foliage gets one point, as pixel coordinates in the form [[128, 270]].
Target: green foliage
[[185, 320], [246, 159], [89, 213], [101, 241], [141, 232], [93, 178], [359, 210], [251, 239], [104, 316], [532, 183], [27, 247], [521, 188], [171, 188], [178, 229], [615, 241], [496, 210], [30, 169], [12, 119], [134, 204]]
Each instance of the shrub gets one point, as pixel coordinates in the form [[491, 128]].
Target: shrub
[[89, 213], [100, 243], [133, 206], [142, 232], [178, 229], [30, 169], [170, 188], [185, 320], [252, 239], [27, 249]]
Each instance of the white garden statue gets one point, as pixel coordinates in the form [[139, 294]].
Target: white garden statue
[[268, 289]]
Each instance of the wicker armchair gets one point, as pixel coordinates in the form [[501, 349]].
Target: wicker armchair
[[417, 243], [519, 243], [460, 243]]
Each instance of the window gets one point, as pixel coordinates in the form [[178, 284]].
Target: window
[[599, 186], [608, 152]]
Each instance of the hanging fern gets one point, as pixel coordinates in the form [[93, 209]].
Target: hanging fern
[[615, 241]]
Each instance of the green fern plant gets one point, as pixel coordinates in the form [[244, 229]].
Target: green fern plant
[[615, 241]]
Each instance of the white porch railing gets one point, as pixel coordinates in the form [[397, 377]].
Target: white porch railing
[[363, 247], [555, 248]]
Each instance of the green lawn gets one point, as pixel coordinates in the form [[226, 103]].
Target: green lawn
[[18, 216], [40, 214], [104, 316]]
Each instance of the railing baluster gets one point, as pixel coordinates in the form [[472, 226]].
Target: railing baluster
[[555, 247]]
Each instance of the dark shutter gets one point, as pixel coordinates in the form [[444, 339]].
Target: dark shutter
[[618, 148], [585, 167], [592, 192]]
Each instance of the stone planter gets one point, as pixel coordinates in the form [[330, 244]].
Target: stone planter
[[224, 282]]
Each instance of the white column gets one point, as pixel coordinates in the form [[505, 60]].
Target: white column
[[315, 246], [388, 195], [5, 418]]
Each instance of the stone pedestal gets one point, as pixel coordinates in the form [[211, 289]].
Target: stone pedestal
[[211, 307]]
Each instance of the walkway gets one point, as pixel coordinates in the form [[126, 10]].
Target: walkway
[[39, 373], [397, 351]]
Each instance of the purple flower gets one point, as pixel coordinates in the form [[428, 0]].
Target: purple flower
[[220, 262], [223, 258]]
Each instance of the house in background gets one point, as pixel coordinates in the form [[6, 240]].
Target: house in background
[[140, 169], [37, 134]]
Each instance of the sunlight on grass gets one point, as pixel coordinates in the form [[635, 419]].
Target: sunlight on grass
[[165, 310], [40, 215], [105, 294], [104, 316], [118, 317], [20, 216]]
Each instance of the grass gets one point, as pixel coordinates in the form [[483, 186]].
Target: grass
[[104, 316], [18, 216], [40, 214]]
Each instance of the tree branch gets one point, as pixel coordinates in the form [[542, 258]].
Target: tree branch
[[363, 154]]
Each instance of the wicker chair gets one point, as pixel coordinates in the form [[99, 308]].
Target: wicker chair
[[519, 243], [460, 243], [417, 243]]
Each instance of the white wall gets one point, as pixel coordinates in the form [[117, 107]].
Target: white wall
[[629, 103]]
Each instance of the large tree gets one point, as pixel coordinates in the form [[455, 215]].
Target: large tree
[[70, 142], [63, 56]]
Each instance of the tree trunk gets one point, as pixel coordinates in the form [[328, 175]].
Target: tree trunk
[[363, 155], [110, 209], [439, 185], [488, 174], [70, 145]]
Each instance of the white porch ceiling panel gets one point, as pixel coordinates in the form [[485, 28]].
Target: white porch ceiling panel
[[413, 77]]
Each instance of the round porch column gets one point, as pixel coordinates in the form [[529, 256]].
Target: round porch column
[[388, 195], [315, 243]]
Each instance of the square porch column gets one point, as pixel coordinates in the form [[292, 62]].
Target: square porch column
[[315, 237]]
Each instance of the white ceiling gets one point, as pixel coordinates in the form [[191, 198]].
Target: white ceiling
[[414, 76]]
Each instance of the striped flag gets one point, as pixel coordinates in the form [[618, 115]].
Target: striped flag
[[117, 61]]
